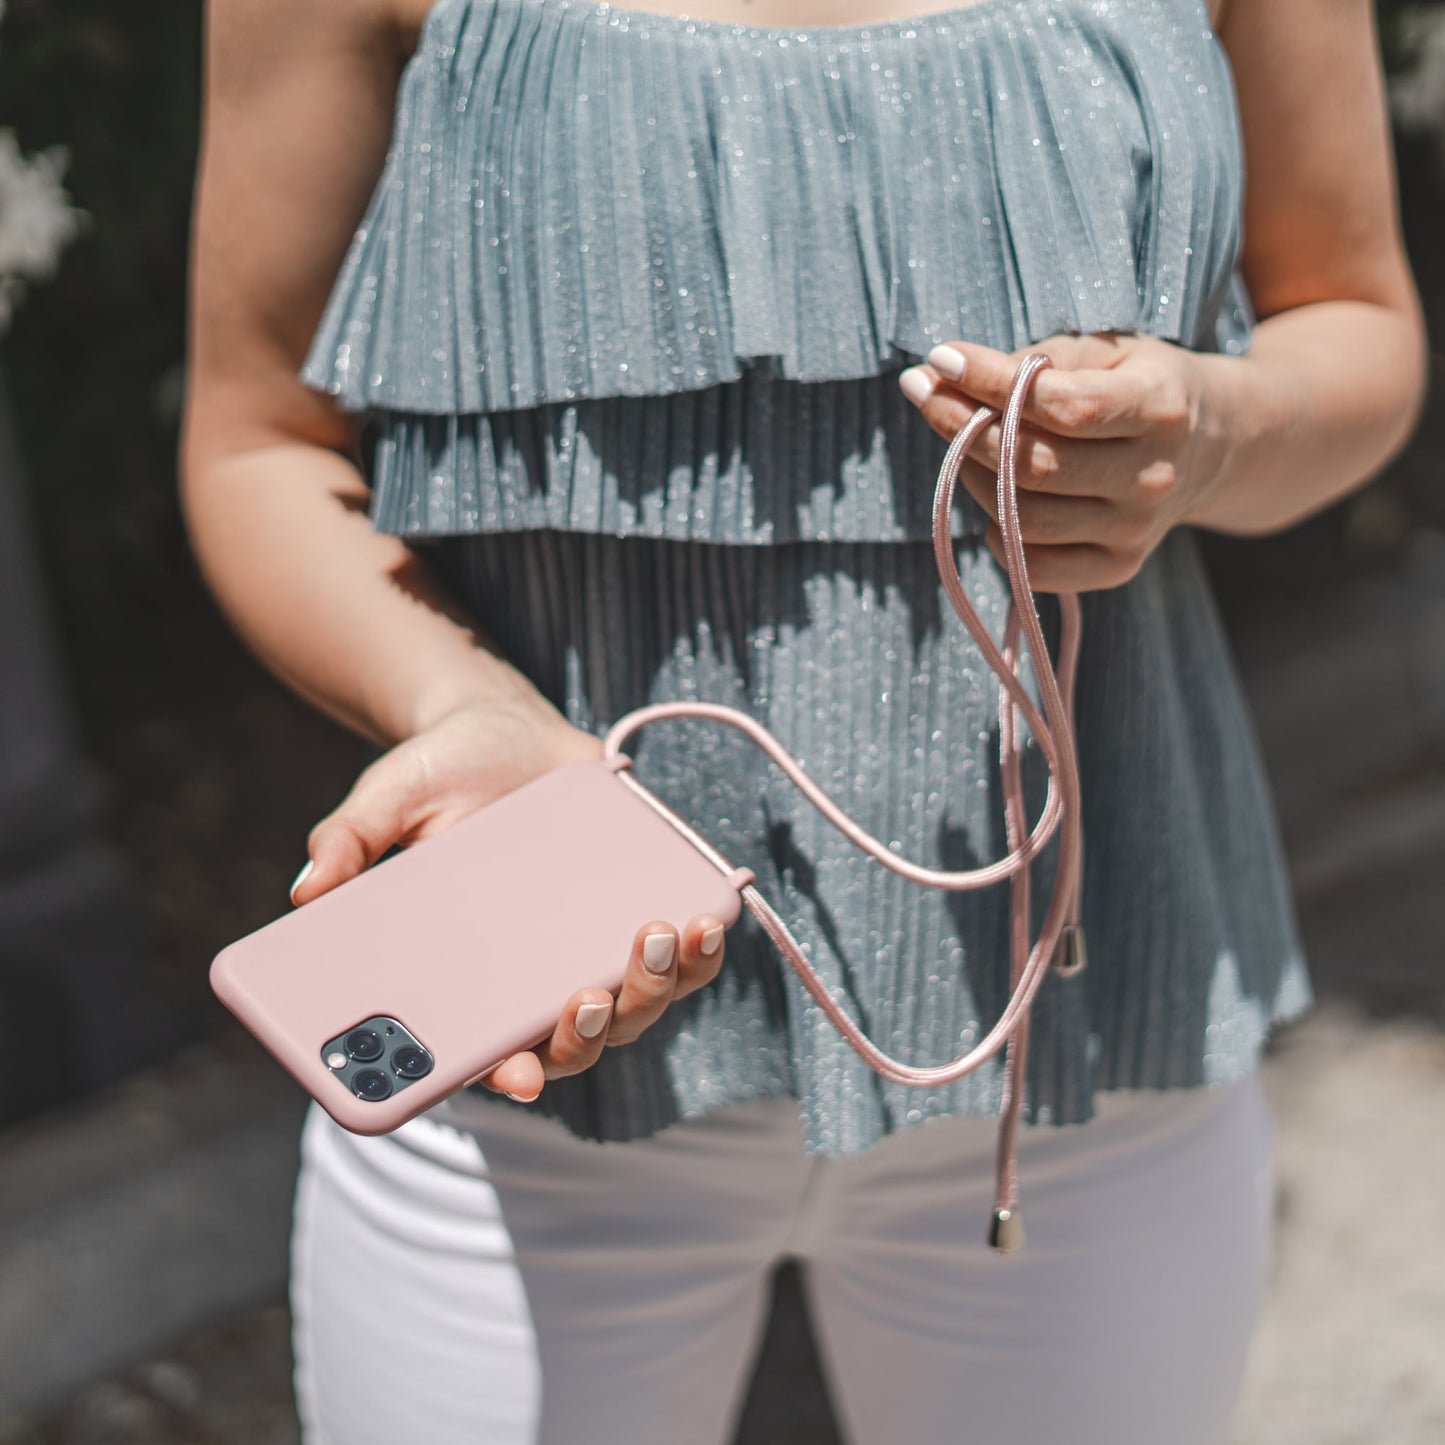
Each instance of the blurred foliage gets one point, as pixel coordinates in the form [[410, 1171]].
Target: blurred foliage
[[1394, 18], [93, 361], [95, 358]]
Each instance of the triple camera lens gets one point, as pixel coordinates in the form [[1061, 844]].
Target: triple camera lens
[[371, 1085], [364, 1045], [411, 1061], [376, 1059]]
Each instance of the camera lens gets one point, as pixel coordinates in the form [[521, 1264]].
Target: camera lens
[[371, 1085], [411, 1061], [364, 1045]]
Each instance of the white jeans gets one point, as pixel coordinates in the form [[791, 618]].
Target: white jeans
[[484, 1277]]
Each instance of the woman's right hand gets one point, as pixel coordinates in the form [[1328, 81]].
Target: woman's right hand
[[461, 762]]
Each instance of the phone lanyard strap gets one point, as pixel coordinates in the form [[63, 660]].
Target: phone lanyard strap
[[1060, 940]]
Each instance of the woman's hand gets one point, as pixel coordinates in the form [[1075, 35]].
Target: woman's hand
[[1118, 443], [459, 763]]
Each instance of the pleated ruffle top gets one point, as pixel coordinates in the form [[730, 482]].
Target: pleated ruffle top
[[586, 208], [626, 312]]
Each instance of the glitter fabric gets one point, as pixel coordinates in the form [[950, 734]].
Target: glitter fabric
[[627, 310], [584, 209]]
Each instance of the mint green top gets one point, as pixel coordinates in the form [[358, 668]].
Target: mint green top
[[626, 312]]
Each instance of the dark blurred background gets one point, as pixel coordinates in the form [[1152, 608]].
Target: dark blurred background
[[156, 788]]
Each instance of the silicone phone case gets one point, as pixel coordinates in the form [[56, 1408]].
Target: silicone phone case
[[473, 939]]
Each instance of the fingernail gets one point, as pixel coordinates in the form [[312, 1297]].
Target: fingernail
[[518, 1097], [592, 1019], [915, 384], [951, 363], [302, 876], [657, 952], [711, 941]]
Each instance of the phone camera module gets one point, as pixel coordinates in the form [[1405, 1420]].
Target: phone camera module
[[411, 1061], [364, 1045], [377, 1057], [371, 1085]]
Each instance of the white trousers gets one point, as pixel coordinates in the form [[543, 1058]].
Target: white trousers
[[484, 1277]]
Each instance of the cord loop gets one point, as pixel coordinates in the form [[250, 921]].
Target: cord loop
[[1059, 944]]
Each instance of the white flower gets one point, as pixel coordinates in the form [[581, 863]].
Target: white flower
[[37, 220], [1417, 98]]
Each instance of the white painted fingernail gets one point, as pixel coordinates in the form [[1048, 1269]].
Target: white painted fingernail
[[657, 950], [518, 1098], [916, 384], [302, 876], [711, 941], [948, 361], [592, 1018]]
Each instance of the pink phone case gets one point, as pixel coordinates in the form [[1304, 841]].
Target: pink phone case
[[473, 939]]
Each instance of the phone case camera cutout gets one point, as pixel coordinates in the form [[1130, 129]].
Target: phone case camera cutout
[[376, 1058]]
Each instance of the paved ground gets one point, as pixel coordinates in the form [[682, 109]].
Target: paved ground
[[1349, 1352]]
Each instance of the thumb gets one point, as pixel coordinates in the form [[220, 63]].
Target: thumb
[[377, 812]]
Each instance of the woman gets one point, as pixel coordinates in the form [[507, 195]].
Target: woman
[[662, 321]]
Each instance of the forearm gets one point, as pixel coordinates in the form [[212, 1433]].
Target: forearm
[[1328, 393], [352, 620]]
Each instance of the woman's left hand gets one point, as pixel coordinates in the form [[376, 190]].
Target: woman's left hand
[[1117, 443]]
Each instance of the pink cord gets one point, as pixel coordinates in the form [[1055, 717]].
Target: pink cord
[[1060, 940]]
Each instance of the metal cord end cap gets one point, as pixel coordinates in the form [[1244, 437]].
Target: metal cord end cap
[[1070, 956], [1007, 1231]]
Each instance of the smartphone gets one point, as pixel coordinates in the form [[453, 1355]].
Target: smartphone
[[406, 983]]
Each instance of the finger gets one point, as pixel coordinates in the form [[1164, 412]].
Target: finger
[[942, 406], [519, 1077], [1043, 461], [1066, 466], [1047, 520], [702, 954], [1079, 567], [1091, 401], [580, 1035], [375, 814], [981, 483], [649, 983]]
